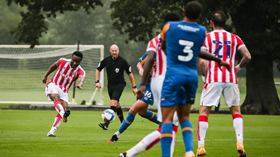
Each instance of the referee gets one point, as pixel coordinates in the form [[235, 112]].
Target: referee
[[115, 67]]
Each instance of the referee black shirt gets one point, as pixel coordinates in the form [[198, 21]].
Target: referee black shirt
[[115, 69]]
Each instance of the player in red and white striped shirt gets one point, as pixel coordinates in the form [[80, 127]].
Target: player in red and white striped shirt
[[224, 45], [154, 46], [154, 52], [67, 71]]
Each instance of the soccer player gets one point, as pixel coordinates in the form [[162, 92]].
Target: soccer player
[[115, 66], [224, 45], [67, 71], [140, 106], [154, 53], [182, 42]]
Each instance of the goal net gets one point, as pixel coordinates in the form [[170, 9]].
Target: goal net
[[22, 70]]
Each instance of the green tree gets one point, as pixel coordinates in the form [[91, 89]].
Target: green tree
[[91, 29], [9, 19], [255, 21], [32, 24]]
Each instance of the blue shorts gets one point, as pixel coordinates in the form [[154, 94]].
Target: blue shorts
[[148, 96], [178, 90]]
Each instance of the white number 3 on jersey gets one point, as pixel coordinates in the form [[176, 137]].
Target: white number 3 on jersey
[[188, 45]]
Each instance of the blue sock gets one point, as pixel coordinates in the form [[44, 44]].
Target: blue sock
[[166, 139], [126, 122], [187, 131], [151, 116]]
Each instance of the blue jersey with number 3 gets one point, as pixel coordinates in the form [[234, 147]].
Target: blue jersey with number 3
[[183, 44]]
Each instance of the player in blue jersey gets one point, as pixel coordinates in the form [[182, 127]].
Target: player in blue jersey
[[140, 106], [182, 42]]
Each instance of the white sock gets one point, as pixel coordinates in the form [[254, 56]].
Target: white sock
[[56, 124], [238, 127], [173, 142], [147, 142], [202, 129], [118, 134]]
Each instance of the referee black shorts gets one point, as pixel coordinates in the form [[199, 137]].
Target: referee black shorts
[[115, 91]]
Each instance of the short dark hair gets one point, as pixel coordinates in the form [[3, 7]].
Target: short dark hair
[[78, 54], [219, 18], [193, 9], [171, 17]]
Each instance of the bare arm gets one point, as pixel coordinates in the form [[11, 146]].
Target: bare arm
[[140, 68], [80, 82], [148, 67], [133, 83], [202, 66], [205, 55], [97, 74], [51, 69], [246, 57]]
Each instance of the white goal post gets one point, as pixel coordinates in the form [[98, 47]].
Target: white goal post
[[23, 68]]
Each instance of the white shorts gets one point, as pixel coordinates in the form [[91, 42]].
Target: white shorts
[[212, 93], [156, 86], [52, 88]]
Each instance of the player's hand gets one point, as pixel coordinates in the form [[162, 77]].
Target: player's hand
[[225, 64], [45, 80], [134, 90], [203, 78], [98, 85], [237, 69], [79, 87], [141, 91]]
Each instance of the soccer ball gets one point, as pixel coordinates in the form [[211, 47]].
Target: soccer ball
[[108, 115]]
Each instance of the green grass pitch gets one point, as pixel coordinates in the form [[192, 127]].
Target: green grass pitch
[[23, 134]]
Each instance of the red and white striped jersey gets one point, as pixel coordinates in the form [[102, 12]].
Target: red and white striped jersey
[[65, 74], [224, 45], [154, 45]]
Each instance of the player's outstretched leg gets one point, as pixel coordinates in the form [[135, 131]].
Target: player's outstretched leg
[[150, 115], [148, 142], [57, 122], [125, 124]]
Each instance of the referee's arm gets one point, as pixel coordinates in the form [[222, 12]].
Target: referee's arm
[[134, 87], [97, 83]]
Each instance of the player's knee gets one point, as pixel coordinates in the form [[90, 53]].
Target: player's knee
[[235, 110], [133, 110], [204, 110]]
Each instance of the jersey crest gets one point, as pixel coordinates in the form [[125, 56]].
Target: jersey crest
[[117, 70]]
